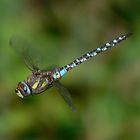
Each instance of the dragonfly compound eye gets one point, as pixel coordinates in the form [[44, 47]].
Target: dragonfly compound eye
[[23, 90]]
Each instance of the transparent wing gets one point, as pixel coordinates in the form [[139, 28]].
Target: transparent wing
[[65, 94], [25, 50]]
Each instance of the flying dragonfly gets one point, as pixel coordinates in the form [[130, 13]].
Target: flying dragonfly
[[41, 80]]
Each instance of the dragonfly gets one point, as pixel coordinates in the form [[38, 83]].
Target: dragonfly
[[41, 80]]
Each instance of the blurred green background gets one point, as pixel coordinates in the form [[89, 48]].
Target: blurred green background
[[105, 90]]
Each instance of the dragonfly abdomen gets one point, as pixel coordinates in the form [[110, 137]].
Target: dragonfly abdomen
[[93, 53]]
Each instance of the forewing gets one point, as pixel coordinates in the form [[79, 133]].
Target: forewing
[[25, 50], [65, 94]]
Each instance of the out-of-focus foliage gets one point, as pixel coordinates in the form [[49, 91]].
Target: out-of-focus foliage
[[106, 90]]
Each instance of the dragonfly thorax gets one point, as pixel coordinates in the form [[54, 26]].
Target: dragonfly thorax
[[39, 82]]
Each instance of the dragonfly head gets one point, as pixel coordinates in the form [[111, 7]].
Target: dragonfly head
[[23, 89]]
